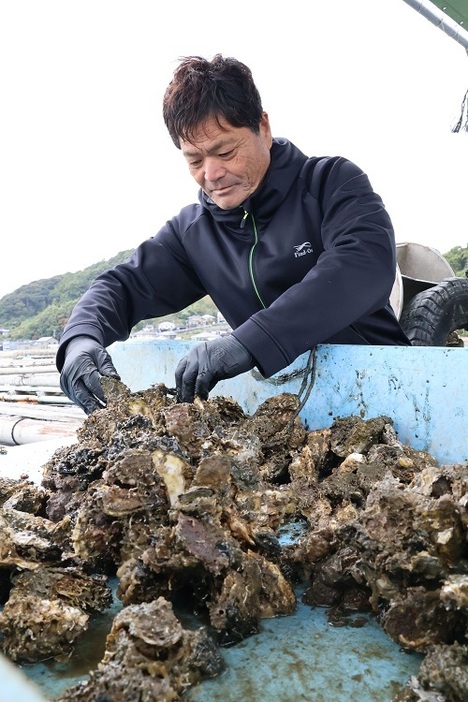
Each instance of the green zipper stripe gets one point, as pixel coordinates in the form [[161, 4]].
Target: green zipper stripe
[[251, 255]]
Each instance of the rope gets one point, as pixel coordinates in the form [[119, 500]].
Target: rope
[[308, 381], [307, 384], [307, 374], [15, 443], [462, 124], [279, 379]]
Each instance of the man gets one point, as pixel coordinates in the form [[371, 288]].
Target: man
[[294, 251]]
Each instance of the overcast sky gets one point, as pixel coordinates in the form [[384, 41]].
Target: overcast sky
[[87, 168]]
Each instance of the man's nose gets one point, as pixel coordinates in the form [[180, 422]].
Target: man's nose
[[214, 169]]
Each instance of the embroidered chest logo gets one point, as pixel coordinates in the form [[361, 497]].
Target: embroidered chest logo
[[303, 249]]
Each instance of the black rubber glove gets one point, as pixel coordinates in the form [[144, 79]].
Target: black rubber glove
[[199, 371], [85, 361]]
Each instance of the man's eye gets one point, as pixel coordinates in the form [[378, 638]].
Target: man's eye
[[194, 164], [226, 154]]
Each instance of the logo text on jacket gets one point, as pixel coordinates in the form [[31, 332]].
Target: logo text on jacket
[[303, 249]]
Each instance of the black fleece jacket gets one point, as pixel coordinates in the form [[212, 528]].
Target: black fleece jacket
[[309, 258]]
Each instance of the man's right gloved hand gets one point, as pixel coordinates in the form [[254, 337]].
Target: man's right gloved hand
[[85, 361]]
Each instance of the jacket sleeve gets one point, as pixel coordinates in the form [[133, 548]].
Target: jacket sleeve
[[141, 288], [351, 280]]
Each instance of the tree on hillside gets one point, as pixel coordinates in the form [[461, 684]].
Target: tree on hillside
[[27, 301], [49, 322], [73, 285], [458, 259]]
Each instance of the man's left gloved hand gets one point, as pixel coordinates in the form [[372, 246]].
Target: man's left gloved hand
[[199, 371]]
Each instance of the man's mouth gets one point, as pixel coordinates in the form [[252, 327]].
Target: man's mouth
[[222, 191]]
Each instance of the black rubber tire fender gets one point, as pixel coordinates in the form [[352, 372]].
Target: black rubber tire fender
[[432, 315]]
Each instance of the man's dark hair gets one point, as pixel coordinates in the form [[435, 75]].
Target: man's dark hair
[[220, 88]]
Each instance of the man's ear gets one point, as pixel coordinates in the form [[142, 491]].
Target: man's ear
[[265, 129]]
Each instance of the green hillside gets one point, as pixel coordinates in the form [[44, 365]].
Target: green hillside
[[43, 307]]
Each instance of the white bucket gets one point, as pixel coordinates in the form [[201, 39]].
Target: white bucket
[[423, 263]]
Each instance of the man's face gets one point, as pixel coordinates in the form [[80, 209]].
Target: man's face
[[228, 162]]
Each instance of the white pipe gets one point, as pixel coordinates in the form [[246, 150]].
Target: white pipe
[[52, 379], [34, 412], [15, 431], [441, 20], [42, 396], [18, 368]]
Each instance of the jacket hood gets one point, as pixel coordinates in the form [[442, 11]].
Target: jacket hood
[[286, 163]]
